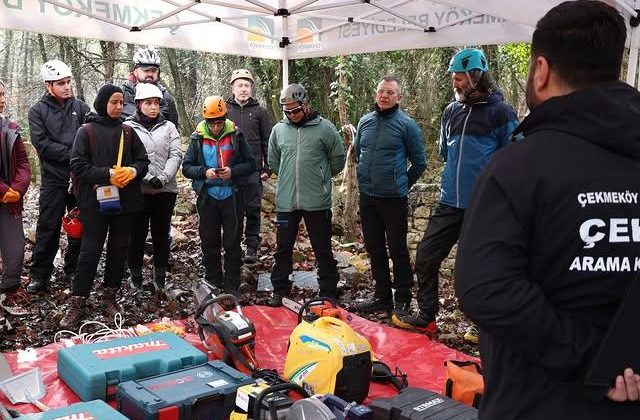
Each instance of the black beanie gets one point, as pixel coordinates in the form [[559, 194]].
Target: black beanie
[[104, 93]]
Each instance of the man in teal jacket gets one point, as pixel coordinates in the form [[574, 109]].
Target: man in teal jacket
[[305, 151], [386, 140]]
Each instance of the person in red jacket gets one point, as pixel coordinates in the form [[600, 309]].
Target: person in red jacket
[[15, 176]]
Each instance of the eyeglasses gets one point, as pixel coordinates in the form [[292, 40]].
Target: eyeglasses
[[216, 122], [293, 110]]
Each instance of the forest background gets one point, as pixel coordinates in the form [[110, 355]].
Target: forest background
[[341, 88]]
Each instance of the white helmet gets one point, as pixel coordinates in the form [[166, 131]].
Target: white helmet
[[146, 91], [54, 70], [146, 57]]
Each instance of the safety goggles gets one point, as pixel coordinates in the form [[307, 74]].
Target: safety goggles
[[292, 111]]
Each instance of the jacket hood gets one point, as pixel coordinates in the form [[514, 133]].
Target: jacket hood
[[250, 102], [606, 114], [50, 101], [92, 117]]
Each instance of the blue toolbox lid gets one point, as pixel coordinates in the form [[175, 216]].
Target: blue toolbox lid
[[93, 410], [93, 370], [202, 392]]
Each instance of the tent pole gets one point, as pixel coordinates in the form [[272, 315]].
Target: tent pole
[[285, 68], [285, 48], [632, 65]]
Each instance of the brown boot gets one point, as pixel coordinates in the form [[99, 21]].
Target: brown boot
[[75, 312], [109, 302]]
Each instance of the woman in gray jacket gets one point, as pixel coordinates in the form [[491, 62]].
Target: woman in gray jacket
[[162, 141]]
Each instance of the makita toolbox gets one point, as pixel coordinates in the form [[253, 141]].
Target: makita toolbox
[[92, 371], [205, 392], [420, 404], [93, 410]]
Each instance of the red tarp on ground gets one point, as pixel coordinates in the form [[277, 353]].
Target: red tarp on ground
[[421, 358]]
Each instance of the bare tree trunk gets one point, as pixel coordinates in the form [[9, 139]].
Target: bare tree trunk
[[185, 121], [349, 185], [43, 49], [109, 55], [69, 46]]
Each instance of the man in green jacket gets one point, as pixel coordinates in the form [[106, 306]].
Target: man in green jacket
[[305, 151]]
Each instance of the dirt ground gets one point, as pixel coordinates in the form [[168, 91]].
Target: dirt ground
[[43, 312]]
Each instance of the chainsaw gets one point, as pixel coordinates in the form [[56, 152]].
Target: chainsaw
[[229, 335]]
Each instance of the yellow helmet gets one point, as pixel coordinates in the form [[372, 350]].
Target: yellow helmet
[[214, 107]]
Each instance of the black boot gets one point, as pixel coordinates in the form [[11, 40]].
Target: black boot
[[373, 305], [251, 255], [75, 312], [275, 301], [37, 285], [109, 302], [159, 278]]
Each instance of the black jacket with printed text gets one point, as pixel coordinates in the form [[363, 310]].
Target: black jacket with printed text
[[549, 246]]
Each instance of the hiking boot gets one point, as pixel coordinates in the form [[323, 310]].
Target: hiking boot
[[373, 305], [37, 285], [135, 281], [251, 255], [471, 335], [75, 312], [415, 323], [159, 278], [171, 262], [10, 289], [109, 303], [275, 301], [402, 308]]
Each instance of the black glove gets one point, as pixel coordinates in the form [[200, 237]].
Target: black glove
[[155, 183]]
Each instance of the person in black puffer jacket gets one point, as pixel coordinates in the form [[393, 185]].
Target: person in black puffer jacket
[[94, 161]]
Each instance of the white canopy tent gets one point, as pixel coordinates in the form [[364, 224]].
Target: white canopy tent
[[292, 29]]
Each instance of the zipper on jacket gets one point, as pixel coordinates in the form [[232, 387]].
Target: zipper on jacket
[[464, 128], [324, 186], [298, 169]]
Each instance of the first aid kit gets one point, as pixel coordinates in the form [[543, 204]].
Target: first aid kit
[[205, 392], [94, 370]]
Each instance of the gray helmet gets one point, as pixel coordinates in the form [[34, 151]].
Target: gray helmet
[[293, 93]]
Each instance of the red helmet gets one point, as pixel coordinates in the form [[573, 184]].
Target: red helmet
[[72, 224]]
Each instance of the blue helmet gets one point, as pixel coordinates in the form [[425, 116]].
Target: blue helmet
[[468, 59]]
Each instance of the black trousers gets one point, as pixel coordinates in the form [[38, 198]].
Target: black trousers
[[440, 236], [384, 224], [53, 202], [220, 226], [157, 212], [252, 193], [318, 225], [94, 233]]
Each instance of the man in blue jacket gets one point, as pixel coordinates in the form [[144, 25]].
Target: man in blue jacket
[[473, 128], [385, 140]]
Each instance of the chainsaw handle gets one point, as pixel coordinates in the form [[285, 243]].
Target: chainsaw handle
[[275, 388], [331, 321], [314, 300], [210, 301]]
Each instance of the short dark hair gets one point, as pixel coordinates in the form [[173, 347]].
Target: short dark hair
[[391, 78], [583, 41]]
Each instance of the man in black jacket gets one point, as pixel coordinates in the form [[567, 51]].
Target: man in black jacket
[[53, 122], [255, 123], [146, 62], [550, 241]]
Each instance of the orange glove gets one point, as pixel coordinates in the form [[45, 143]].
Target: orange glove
[[11, 196], [122, 176]]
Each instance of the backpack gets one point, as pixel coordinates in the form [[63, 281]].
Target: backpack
[[464, 382]]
